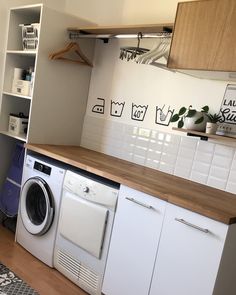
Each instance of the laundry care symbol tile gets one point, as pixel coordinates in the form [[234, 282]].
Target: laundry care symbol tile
[[117, 108], [163, 115], [138, 112], [99, 107]]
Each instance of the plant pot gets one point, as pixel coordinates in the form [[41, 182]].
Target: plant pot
[[211, 128], [189, 123]]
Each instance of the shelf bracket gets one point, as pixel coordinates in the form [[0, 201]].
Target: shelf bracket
[[205, 138]]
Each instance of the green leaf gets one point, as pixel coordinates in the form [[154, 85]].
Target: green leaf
[[182, 111], [191, 113], [199, 120], [181, 123], [205, 109], [174, 118]]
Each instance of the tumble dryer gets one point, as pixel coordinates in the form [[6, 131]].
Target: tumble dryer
[[39, 206]]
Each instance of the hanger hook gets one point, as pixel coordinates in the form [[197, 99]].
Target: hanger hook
[[140, 36]]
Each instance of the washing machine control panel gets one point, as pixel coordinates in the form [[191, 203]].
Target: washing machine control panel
[[42, 168]]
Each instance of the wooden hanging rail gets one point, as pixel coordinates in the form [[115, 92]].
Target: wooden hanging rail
[[115, 31]]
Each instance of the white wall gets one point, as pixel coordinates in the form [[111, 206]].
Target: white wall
[[107, 12]]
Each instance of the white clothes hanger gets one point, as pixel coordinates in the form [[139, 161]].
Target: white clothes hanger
[[158, 52], [161, 53], [143, 57]]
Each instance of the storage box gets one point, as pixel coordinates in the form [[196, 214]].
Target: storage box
[[21, 87], [30, 36], [18, 124]]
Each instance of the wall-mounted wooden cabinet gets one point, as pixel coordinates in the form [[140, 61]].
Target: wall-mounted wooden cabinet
[[204, 37]]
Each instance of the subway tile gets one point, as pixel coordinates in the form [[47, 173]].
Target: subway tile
[[231, 187], [233, 166], [219, 172], [168, 159], [139, 159], [144, 132], [161, 136], [152, 144], [154, 134], [130, 130], [172, 138], [170, 148], [201, 167], [232, 176], [184, 162], [127, 156], [167, 168], [216, 182], [142, 142], [203, 157], [182, 172], [224, 151], [140, 151], [186, 153], [187, 142], [222, 161], [154, 155], [199, 177], [154, 164], [205, 146]]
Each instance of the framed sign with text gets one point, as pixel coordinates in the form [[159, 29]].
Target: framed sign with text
[[227, 122]]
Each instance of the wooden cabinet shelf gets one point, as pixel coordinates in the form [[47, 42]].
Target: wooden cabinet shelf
[[205, 136]]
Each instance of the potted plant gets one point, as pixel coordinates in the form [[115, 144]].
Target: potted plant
[[211, 126], [191, 118]]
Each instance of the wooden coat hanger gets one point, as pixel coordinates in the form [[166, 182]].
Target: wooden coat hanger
[[72, 47]]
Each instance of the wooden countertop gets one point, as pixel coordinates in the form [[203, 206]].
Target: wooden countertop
[[210, 202]]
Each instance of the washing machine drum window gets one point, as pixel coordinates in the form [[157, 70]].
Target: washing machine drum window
[[36, 206]]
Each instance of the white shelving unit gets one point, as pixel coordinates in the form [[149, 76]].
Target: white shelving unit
[[16, 57], [57, 103]]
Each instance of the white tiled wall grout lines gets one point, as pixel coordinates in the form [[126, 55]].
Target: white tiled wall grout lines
[[204, 162]]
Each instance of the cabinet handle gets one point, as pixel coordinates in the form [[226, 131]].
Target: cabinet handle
[[205, 230], [139, 203]]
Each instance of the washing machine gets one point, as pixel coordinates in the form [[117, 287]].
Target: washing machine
[[39, 206]]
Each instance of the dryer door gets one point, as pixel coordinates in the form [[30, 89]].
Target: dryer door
[[36, 206]]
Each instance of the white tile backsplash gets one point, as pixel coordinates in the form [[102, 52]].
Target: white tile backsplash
[[204, 162]]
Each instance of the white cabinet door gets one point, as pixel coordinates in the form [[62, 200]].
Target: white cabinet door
[[189, 254], [134, 243]]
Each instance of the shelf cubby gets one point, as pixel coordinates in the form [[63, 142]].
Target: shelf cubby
[[15, 61], [11, 105], [18, 16]]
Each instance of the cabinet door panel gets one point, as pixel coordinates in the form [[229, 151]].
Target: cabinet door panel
[[189, 254], [134, 242], [204, 36]]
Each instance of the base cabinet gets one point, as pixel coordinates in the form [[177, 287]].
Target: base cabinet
[[189, 254], [134, 242], [158, 248]]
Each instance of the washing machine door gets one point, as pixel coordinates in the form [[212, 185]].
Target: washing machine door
[[36, 206]]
